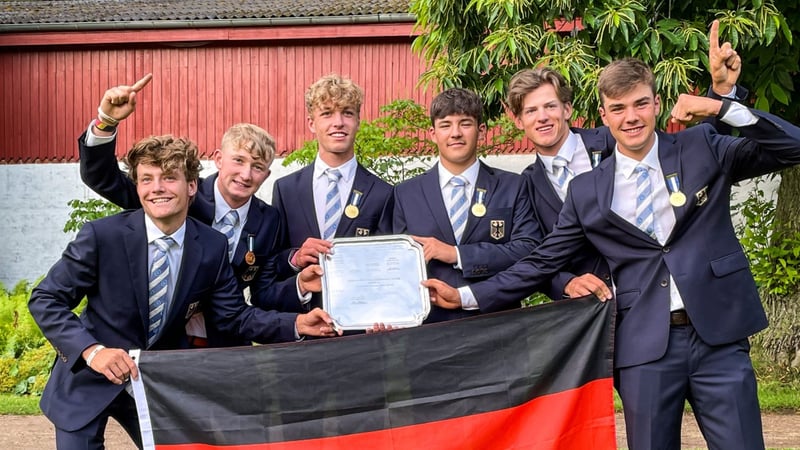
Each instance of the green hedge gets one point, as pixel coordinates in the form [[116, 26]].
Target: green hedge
[[25, 355]]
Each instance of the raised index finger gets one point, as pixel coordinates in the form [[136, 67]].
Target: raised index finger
[[142, 83], [713, 37]]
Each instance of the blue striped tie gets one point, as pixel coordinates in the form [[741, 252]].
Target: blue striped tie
[[645, 218], [333, 205], [561, 171], [158, 287], [458, 205], [228, 228]]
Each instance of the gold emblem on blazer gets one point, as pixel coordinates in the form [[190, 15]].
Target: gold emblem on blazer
[[702, 196], [361, 232], [250, 273], [191, 309], [497, 229]]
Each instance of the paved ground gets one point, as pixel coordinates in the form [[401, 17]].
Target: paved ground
[[781, 431]]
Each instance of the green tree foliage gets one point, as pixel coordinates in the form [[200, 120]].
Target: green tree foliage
[[85, 210], [479, 44]]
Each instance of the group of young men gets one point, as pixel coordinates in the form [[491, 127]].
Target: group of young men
[[621, 208]]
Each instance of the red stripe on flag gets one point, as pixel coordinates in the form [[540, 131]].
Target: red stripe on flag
[[581, 418]]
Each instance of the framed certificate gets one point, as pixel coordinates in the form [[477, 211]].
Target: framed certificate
[[370, 280]]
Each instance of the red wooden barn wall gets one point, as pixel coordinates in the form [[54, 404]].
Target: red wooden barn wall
[[50, 83]]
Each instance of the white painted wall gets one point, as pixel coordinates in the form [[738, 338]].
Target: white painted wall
[[33, 201]]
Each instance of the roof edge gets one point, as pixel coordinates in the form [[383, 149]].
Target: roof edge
[[210, 23]]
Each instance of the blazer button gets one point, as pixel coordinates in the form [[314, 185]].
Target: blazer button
[[664, 283], [665, 249]]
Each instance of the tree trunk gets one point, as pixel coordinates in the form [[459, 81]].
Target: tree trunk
[[779, 344]]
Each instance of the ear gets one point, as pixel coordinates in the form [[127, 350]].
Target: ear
[[657, 103], [310, 122], [568, 109], [603, 115], [432, 133], [217, 157], [192, 188], [481, 131]]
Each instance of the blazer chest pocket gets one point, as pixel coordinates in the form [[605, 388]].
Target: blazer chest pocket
[[729, 264]]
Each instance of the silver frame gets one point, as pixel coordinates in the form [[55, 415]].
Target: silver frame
[[347, 314]]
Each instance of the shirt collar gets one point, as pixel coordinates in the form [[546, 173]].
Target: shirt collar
[[627, 165], [348, 169], [567, 151], [154, 233], [470, 174], [221, 207]]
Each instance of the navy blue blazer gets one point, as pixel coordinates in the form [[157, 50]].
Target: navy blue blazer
[[107, 263], [547, 204], [506, 233], [100, 171], [293, 196], [702, 253]]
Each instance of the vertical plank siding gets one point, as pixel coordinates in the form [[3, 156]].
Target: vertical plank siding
[[49, 94]]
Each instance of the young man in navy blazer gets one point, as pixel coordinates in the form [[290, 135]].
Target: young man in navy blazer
[[658, 210], [540, 103], [364, 200], [135, 302], [243, 160], [497, 225]]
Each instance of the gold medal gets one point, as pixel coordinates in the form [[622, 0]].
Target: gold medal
[[351, 211], [677, 199], [250, 258], [479, 207]]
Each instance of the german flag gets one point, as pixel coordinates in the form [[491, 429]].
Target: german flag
[[535, 378]]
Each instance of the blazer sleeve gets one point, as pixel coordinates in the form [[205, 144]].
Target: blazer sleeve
[[53, 300], [530, 274], [231, 315], [100, 171], [768, 145], [525, 236]]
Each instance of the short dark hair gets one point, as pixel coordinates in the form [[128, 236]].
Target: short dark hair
[[457, 101], [169, 153], [528, 80]]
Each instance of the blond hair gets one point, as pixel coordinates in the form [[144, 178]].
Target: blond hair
[[334, 90], [256, 140]]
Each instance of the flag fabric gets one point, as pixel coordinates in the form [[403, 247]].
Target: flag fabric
[[532, 378]]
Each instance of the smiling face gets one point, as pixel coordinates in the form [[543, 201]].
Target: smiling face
[[165, 196], [545, 119], [457, 137], [631, 118], [335, 129], [241, 174]]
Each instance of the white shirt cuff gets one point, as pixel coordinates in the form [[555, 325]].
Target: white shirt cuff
[[739, 116], [304, 299], [468, 300]]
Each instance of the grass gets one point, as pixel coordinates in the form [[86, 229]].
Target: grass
[[19, 405]]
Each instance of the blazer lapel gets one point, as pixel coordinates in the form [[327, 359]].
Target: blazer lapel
[[543, 188], [134, 243], [305, 190], [362, 182], [255, 218], [432, 193], [192, 254], [487, 181], [669, 156], [202, 208]]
